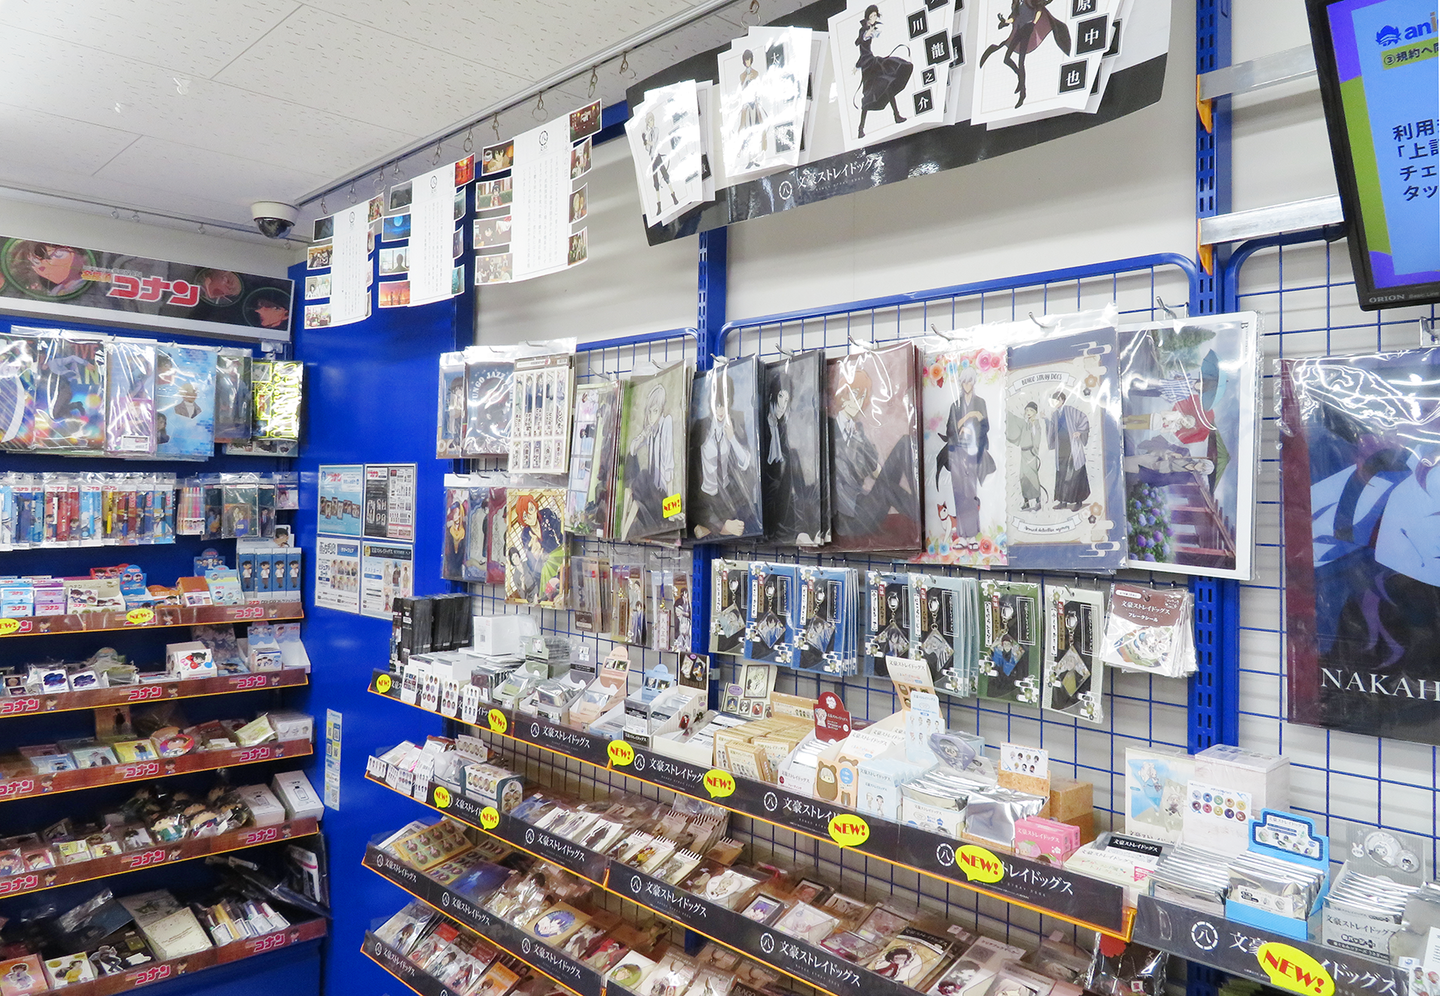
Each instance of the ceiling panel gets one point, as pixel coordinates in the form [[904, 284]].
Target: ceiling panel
[[195, 39], [76, 146], [151, 162], [321, 60], [218, 205]]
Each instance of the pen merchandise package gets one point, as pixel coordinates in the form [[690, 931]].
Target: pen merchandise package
[[184, 402], [130, 399]]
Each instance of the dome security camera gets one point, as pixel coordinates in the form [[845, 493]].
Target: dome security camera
[[274, 218]]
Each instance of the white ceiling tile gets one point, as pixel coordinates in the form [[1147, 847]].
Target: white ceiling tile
[[46, 179], [195, 39], [347, 68], [184, 169], [48, 139]]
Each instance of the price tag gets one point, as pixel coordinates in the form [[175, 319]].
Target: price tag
[[489, 818], [497, 721], [621, 753], [382, 684]]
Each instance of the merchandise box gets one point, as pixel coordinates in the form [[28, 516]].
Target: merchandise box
[[292, 725], [264, 806], [297, 795]]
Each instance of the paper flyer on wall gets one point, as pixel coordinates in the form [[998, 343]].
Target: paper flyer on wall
[[350, 263], [337, 574], [341, 492], [432, 236], [387, 573], [390, 501], [539, 228]]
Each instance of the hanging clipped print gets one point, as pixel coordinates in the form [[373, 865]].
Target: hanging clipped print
[[763, 88], [665, 143], [1074, 675], [1189, 398], [1037, 58], [1362, 555], [964, 457], [891, 61], [1065, 493]]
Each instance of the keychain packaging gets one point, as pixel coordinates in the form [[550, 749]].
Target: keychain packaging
[[887, 621], [729, 613], [773, 612]]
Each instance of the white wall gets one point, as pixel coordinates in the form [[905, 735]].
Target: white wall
[[21, 219]]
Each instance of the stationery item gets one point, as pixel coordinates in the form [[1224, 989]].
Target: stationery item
[[795, 458], [184, 402], [653, 454], [724, 444]]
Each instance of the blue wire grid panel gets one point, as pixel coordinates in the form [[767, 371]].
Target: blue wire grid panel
[[1303, 289]]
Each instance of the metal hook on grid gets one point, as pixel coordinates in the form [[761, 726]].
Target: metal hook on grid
[[135, 217], [1038, 322], [789, 354], [625, 65], [538, 111], [857, 343], [594, 80], [468, 146], [1170, 312], [753, 11], [720, 359], [115, 213], [201, 228], [380, 179], [1429, 329], [352, 189]]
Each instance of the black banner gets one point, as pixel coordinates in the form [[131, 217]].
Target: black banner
[[574, 976], [65, 281], [403, 968], [1241, 949], [542, 733], [807, 962], [517, 833]]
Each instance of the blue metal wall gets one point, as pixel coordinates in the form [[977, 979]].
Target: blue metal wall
[[371, 397]]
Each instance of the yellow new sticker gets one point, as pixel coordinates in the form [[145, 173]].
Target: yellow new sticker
[[719, 783], [621, 753], [139, 617], [979, 864], [497, 721], [442, 797], [1290, 968], [671, 506], [848, 830], [382, 684], [489, 818], [8, 626]]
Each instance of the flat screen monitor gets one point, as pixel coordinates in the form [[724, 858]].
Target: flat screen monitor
[[1379, 66]]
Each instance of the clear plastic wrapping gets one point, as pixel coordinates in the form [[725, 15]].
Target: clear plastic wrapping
[[795, 451], [725, 449], [590, 501], [130, 399], [184, 402], [653, 459], [489, 396], [17, 392], [450, 423], [234, 396], [70, 394]]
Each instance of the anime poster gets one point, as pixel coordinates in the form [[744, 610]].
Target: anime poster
[[69, 411], [489, 391], [595, 438], [341, 495], [130, 399], [455, 545], [1010, 665], [234, 393], [387, 572], [1359, 439], [874, 436], [1065, 492], [537, 554], [763, 85], [891, 60], [1037, 58], [1189, 400], [795, 452], [17, 392], [474, 566], [1074, 674], [653, 453], [184, 402], [665, 144], [964, 457], [337, 574], [450, 425], [725, 452]]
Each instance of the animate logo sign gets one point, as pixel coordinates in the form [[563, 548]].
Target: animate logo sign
[[1390, 35]]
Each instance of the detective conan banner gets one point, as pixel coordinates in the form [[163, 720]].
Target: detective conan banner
[[74, 282]]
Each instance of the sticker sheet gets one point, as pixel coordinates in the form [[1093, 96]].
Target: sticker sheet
[[540, 417], [763, 88], [666, 147], [1189, 398], [130, 399], [891, 61], [874, 433], [725, 452], [1074, 674], [537, 552], [489, 395], [184, 402], [1037, 58], [70, 394], [653, 457], [1010, 664], [795, 452], [964, 457], [1065, 493], [590, 500], [1358, 442]]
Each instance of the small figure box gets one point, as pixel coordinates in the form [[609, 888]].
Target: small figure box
[[189, 660], [1047, 841]]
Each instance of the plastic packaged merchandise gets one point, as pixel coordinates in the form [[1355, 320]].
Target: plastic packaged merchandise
[[450, 426], [795, 451], [69, 408], [590, 500], [724, 445], [543, 391], [1121, 969], [1150, 630], [489, 393], [234, 396], [279, 391], [875, 440], [130, 399], [17, 392], [653, 458], [1074, 670], [537, 556], [184, 402]]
